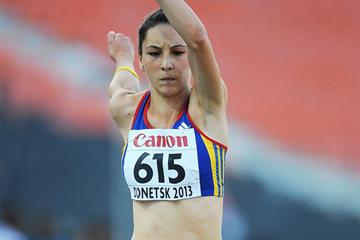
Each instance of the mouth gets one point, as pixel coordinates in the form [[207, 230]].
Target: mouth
[[168, 79]]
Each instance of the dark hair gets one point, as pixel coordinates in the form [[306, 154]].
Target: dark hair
[[150, 21]]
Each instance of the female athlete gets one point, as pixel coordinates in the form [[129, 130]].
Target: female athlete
[[176, 132]]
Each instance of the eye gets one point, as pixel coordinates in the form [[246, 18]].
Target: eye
[[154, 54], [179, 53]]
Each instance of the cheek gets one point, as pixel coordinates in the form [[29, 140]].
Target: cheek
[[183, 63], [151, 66]]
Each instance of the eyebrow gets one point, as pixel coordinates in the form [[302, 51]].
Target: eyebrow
[[157, 47]]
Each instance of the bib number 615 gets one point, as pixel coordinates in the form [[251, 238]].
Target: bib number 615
[[140, 165]]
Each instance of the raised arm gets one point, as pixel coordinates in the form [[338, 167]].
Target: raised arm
[[208, 85], [121, 51], [124, 83]]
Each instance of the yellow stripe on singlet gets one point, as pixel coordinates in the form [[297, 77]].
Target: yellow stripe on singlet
[[123, 149], [123, 152], [211, 150]]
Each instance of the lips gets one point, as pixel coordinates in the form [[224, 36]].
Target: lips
[[167, 78]]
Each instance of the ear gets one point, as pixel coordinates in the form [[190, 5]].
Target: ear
[[141, 65]]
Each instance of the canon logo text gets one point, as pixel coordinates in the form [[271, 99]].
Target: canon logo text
[[160, 141]]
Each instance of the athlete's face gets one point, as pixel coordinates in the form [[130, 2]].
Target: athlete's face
[[164, 60]]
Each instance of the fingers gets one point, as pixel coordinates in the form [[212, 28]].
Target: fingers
[[120, 46], [111, 36], [121, 37]]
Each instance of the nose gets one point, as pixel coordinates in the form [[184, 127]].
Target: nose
[[166, 64]]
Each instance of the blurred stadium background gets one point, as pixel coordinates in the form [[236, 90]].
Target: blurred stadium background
[[292, 70]]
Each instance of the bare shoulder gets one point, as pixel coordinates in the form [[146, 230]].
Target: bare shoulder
[[210, 119], [123, 106]]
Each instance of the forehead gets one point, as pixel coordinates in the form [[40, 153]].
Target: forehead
[[162, 35]]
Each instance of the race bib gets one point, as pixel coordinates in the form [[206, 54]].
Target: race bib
[[162, 164]]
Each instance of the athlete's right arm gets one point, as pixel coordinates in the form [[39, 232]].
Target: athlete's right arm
[[124, 85]]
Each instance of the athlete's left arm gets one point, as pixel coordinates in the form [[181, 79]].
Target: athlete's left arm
[[208, 85]]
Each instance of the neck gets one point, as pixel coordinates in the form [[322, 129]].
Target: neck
[[167, 105], [163, 111]]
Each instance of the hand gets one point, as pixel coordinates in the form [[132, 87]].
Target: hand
[[120, 48]]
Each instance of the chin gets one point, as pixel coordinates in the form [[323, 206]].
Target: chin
[[168, 91]]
